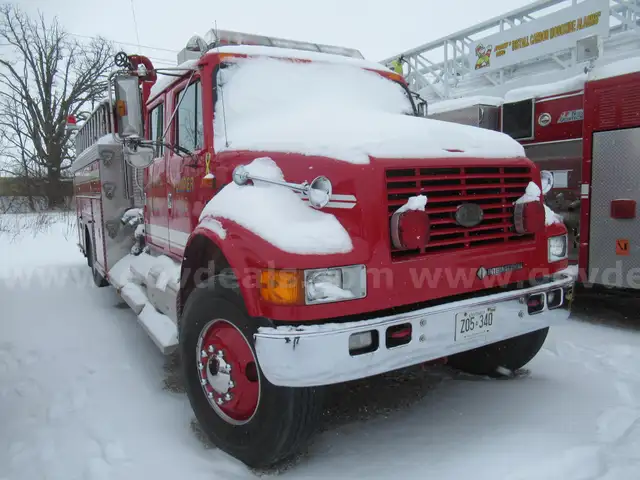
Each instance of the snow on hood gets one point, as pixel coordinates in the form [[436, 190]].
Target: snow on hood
[[278, 215], [336, 111]]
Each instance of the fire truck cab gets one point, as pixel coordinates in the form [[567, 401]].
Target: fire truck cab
[[280, 214]]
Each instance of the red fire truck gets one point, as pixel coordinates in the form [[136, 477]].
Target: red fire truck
[[582, 129], [278, 212]]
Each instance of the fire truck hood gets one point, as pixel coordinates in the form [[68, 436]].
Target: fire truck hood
[[356, 136]]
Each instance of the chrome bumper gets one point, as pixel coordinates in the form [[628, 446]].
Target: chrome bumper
[[319, 354]]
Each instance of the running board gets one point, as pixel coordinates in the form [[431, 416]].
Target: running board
[[145, 283]]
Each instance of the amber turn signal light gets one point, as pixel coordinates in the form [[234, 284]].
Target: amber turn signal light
[[282, 287]]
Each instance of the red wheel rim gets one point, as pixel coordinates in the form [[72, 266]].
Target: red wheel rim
[[228, 372]]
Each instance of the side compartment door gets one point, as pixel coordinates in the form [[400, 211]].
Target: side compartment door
[[156, 199], [614, 238], [183, 171]]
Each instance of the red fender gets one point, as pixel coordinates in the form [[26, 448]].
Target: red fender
[[238, 261]]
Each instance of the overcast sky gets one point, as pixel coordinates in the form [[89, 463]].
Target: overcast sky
[[378, 28]]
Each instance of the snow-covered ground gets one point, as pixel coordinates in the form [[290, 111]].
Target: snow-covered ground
[[85, 394]]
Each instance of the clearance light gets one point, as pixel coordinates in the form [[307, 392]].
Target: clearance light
[[410, 230], [282, 287], [121, 108], [529, 217]]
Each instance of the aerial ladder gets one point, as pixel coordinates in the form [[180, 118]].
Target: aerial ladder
[[443, 69]]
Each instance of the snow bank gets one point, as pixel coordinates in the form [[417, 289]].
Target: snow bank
[[278, 214], [622, 67], [337, 111], [546, 89], [464, 102]]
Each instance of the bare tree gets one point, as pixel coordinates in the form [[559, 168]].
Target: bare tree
[[49, 77]]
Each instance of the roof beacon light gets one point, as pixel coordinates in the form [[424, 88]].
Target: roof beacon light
[[218, 38]]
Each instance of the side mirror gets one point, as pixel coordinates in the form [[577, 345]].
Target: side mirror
[[141, 157], [546, 180], [422, 108], [128, 106]]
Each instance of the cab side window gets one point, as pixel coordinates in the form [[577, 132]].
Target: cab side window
[[156, 126], [189, 119]]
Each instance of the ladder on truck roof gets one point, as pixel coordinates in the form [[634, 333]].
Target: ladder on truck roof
[[441, 69]]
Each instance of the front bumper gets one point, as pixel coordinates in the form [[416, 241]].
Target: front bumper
[[319, 354]]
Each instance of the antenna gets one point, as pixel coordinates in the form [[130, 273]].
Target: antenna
[[224, 115], [135, 23]]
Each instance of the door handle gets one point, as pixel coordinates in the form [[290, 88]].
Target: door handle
[[169, 201]]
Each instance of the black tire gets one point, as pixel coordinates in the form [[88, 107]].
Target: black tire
[[511, 354], [285, 418], [98, 279]]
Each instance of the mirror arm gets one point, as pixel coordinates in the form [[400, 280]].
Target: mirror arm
[[177, 149]]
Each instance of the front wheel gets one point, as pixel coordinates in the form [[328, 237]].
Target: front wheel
[[238, 408], [510, 354]]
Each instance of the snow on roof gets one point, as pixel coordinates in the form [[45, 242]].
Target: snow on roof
[[278, 215], [340, 112], [622, 67], [463, 102], [164, 81], [546, 89], [299, 54]]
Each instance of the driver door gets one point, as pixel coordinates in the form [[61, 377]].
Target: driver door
[[183, 170], [156, 201]]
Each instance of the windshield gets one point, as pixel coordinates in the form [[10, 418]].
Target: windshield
[[259, 86]]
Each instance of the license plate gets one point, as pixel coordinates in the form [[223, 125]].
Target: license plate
[[474, 323]]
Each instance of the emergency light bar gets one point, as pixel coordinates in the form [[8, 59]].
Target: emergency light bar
[[216, 38]]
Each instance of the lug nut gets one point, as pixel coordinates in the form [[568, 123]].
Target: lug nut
[[220, 401], [210, 394], [211, 349], [220, 354], [227, 397], [200, 366], [232, 384], [203, 354], [203, 381]]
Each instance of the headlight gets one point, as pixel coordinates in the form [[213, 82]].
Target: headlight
[[557, 248], [335, 284]]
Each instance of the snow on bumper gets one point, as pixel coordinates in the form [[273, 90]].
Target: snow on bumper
[[319, 354]]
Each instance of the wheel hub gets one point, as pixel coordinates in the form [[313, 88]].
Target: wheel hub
[[227, 369], [219, 374]]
